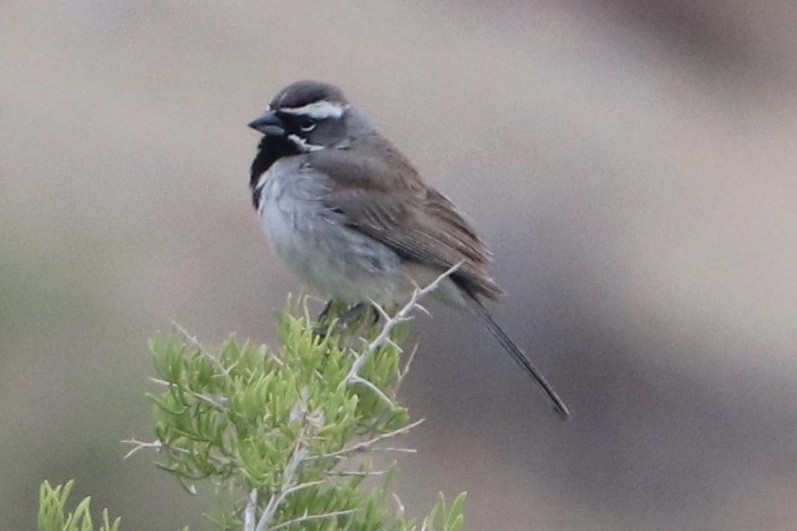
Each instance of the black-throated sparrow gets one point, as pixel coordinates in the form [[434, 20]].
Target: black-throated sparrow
[[348, 213]]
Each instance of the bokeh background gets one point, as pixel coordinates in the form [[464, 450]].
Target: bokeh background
[[633, 164]]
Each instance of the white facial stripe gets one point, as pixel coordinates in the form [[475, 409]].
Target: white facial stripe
[[319, 110], [261, 181], [302, 144]]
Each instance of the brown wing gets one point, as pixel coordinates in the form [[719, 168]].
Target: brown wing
[[379, 194]]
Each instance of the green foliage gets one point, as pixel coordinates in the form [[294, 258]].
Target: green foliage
[[284, 437], [53, 515], [446, 518]]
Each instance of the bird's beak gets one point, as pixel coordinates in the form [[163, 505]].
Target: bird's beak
[[268, 124]]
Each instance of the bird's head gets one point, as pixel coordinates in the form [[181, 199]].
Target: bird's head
[[309, 115]]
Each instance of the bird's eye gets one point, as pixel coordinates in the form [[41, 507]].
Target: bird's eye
[[305, 123]]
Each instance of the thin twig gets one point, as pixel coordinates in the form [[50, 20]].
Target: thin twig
[[357, 473], [396, 450], [400, 509], [158, 445], [217, 403], [354, 378], [140, 445], [407, 365], [296, 488], [193, 340], [249, 512], [309, 517], [299, 454], [364, 445]]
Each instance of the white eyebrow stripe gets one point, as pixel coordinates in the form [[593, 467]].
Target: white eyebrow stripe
[[319, 110]]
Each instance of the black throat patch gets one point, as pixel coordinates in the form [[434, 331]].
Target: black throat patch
[[270, 149]]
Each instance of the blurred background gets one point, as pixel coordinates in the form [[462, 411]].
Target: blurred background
[[633, 164]]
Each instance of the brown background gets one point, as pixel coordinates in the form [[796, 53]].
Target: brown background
[[631, 162]]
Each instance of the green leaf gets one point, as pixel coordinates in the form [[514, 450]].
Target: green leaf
[[53, 514]]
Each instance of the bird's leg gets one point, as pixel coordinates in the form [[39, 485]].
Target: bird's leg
[[325, 312], [322, 328], [354, 313], [345, 319]]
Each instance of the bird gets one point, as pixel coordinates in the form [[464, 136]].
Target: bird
[[352, 217]]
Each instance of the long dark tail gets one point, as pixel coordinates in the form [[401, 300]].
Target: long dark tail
[[519, 357]]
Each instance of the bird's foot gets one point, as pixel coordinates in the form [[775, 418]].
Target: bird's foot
[[345, 319]]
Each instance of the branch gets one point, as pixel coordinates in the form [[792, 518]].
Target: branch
[[194, 341], [308, 517], [249, 511], [219, 405], [140, 445], [158, 445], [407, 365], [354, 378], [365, 445], [299, 455]]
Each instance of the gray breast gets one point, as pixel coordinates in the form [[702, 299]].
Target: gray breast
[[313, 241]]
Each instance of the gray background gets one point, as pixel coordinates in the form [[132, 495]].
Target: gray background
[[631, 162]]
